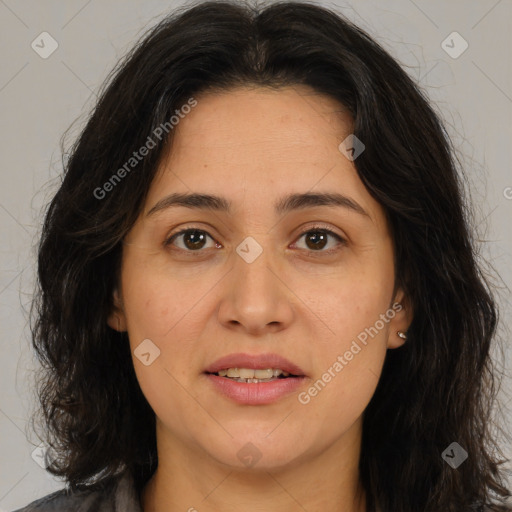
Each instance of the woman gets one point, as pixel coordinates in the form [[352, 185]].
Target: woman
[[258, 287]]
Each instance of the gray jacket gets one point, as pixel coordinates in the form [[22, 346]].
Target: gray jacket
[[119, 496]]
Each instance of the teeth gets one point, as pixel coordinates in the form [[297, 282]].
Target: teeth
[[248, 373], [262, 374]]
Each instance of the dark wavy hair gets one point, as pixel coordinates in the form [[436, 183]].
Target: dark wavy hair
[[438, 388]]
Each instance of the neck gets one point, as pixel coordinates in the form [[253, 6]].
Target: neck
[[190, 480]]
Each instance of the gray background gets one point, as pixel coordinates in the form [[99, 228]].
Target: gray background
[[40, 98]]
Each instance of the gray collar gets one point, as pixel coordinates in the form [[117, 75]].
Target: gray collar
[[126, 498]]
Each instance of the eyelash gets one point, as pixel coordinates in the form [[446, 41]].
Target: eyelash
[[313, 229]]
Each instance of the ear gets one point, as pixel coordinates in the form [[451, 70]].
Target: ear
[[401, 320], [116, 318]]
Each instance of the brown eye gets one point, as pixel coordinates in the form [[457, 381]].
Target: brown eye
[[317, 239], [191, 239]]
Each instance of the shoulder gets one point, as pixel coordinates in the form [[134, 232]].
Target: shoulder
[[117, 496], [64, 501]]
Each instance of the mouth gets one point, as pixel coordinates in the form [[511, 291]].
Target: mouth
[[255, 379], [253, 376], [254, 366]]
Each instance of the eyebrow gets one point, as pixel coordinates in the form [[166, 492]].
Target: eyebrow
[[284, 205]]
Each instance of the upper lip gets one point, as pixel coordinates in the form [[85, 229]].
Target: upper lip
[[255, 362]]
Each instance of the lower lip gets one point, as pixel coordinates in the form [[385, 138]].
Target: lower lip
[[255, 393]]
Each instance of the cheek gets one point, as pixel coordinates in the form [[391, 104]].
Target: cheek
[[167, 313], [349, 358], [172, 319], [347, 303], [158, 304], [348, 374], [161, 311]]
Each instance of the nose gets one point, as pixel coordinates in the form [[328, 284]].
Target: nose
[[256, 298]]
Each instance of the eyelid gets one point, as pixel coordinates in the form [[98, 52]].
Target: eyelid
[[325, 229], [170, 238]]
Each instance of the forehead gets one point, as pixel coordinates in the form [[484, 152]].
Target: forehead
[[288, 117], [253, 141]]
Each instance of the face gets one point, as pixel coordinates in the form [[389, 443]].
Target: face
[[309, 280]]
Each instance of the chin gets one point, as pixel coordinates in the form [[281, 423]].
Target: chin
[[256, 452]]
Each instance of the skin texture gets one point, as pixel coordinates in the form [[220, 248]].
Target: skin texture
[[253, 146]]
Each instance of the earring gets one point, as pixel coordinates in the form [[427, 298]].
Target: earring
[[402, 335]]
